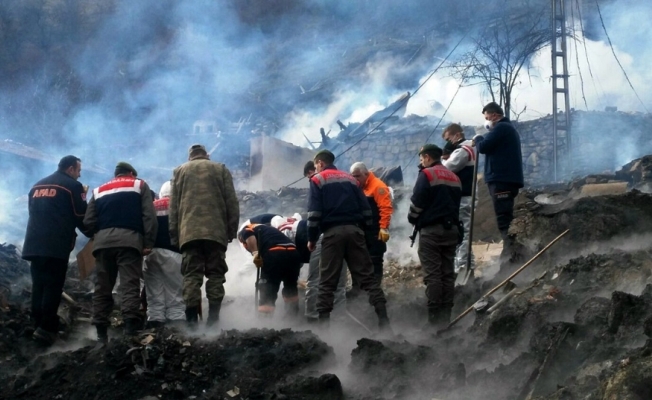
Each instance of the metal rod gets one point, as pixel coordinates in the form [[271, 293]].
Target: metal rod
[[257, 290], [503, 283]]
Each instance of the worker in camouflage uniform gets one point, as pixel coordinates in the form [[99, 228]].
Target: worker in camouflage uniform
[[204, 215]]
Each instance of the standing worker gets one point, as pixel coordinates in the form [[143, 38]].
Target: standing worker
[[503, 167], [204, 215], [122, 217], [434, 210], [57, 204], [312, 283], [162, 272], [380, 201], [461, 161], [279, 261], [337, 207]]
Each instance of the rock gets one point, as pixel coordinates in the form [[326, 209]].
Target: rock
[[325, 387]]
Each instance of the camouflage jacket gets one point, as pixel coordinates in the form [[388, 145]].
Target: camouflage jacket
[[203, 205]]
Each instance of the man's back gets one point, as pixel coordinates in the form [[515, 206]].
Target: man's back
[[203, 202], [502, 147], [56, 206]]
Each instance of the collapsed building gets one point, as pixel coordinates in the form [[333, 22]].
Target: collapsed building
[[576, 324]]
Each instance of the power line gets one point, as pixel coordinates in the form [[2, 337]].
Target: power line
[[440, 119], [586, 52], [375, 128], [616, 57], [577, 58]]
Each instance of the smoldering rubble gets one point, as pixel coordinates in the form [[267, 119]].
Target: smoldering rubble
[[577, 324]]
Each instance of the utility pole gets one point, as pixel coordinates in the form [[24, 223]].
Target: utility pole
[[561, 126]]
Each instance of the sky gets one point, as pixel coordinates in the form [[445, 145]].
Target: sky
[[152, 68]]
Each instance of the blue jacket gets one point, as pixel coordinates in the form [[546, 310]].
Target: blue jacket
[[502, 149], [335, 199], [57, 205]]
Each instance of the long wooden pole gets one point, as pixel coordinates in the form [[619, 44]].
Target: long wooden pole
[[503, 283]]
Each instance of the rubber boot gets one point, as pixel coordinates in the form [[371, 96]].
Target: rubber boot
[[192, 317], [154, 324], [324, 321], [102, 333], [383, 319], [213, 314], [46, 338], [292, 308], [132, 326]]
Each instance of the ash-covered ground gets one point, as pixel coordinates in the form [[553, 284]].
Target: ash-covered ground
[[577, 325]]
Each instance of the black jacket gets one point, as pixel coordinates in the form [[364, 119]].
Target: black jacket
[[57, 205], [435, 198], [335, 199], [502, 150]]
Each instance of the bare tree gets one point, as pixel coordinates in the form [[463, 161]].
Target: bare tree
[[503, 49]]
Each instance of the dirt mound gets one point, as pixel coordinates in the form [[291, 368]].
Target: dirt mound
[[256, 364]]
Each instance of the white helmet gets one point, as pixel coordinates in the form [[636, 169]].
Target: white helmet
[[166, 190]]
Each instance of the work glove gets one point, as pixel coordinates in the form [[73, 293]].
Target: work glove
[[475, 138], [258, 260], [383, 235]]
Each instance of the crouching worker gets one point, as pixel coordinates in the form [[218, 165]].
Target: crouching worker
[[162, 272], [279, 261]]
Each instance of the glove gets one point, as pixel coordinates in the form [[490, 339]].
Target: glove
[[383, 235], [85, 189], [258, 260], [476, 137]]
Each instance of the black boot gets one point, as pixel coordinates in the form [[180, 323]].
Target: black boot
[[324, 320], [383, 319], [291, 309], [132, 326], [213, 313], [102, 333], [192, 317], [154, 324]]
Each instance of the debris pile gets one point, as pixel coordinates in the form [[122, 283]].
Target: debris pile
[[255, 364]]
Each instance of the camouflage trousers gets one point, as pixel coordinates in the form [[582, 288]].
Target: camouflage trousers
[[203, 258]]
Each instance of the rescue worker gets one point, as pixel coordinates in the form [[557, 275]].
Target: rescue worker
[[204, 215], [57, 204], [503, 167], [434, 211], [380, 201], [121, 216], [162, 272], [337, 208], [296, 229], [312, 283], [279, 261], [461, 161]]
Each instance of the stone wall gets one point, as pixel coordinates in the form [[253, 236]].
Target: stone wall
[[600, 141]]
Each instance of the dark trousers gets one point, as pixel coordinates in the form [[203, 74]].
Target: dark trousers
[[129, 262], [502, 196], [48, 277], [437, 255], [377, 249], [203, 258], [279, 266], [345, 242]]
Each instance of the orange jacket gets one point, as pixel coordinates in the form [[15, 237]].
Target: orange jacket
[[375, 190]]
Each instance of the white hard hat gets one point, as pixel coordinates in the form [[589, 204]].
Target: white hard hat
[[166, 190]]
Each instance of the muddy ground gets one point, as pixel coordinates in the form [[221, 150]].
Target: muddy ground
[[576, 326]]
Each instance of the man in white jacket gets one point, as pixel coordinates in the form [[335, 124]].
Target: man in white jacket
[[162, 271], [461, 161]]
